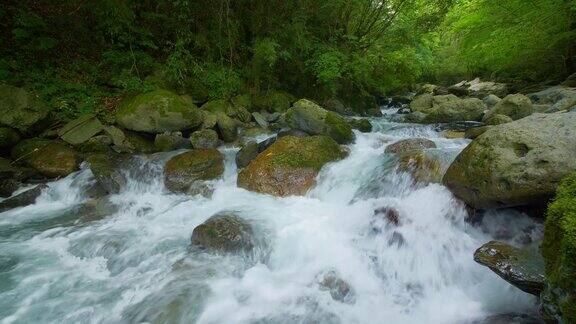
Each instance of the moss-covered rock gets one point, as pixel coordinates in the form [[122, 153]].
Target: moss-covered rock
[[307, 116], [238, 111], [472, 133], [156, 112], [272, 101], [410, 144], [422, 168], [515, 106], [80, 129], [498, 119], [523, 268], [181, 171], [8, 137], [559, 251], [422, 103], [360, 124], [106, 169], [204, 138], [227, 127], [170, 141], [247, 153], [20, 109], [290, 165], [50, 158], [514, 164], [224, 233], [447, 108]]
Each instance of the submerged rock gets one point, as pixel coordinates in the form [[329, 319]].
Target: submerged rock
[[307, 116], [290, 165], [25, 198], [156, 112], [411, 144], [224, 232], [422, 168], [51, 158], [515, 164], [523, 269], [20, 109], [181, 171], [106, 169], [339, 289]]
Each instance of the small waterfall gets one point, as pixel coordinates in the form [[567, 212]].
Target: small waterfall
[[133, 264]]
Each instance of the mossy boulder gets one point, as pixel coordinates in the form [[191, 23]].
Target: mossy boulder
[[227, 127], [474, 132], [8, 137], [498, 119], [515, 164], [272, 101], [559, 251], [422, 168], [224, 233], [247, 153], [20, 109], [410, 144], [50, 158], [170, 141], [80, 129], [156, 112], [107, 171], [307, 116], [515, 106], [181, 171], [290, 165], [361, 124], [523, 268], [238, 112], [337, 106], [446, 109], [204, 138], [422, 103]]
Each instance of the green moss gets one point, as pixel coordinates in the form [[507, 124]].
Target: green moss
[[340, 130], [308, 152], [559, 249]]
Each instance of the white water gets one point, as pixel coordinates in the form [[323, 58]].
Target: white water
[[135, 265]]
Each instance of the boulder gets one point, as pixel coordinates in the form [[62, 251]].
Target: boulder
[[260, 120], [337, 106], [204, 139], [290, 165], [25, 198], [224, 233], [247, 153], [453, 134], [137, 143], [307, 116], [552, 95], [422, 168], [181, 171], [156, 112], [559, 251], [170, 141], [523, 268], [227, 127], [515, 106], [498, 119], [446, 109], [361, 124], [491, 100], [266, 143], [562, 104], [8, 137], [107, 170], [238, 112], [20, 109], [411, 144], [422, 103], [272, 101], [339, 289], [50, 158], [472, 133], [479, 89], [515, 164], [80, 129], [97, 144]]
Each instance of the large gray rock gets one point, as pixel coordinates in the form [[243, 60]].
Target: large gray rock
[[20, 109], [224, 233], [446, 109], [515, 106], [523, 268], [307, 116], [156, 112], [204, 138], [514, 164]]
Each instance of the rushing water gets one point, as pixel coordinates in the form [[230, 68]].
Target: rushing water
[[131, 262]]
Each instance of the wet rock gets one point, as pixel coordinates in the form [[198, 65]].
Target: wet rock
[[247, 153], [422, 168], [254, 132], [266, 143], [224, 232], [138, 143], [522, 268], [107, 171], [115, 134], [289, 166], [181, 171], [96, 209], [170, 141], [498, 119], [25, 198], [307, 116], [453, 134], [292, 132], [50, 158], [80, 129], [515, 164], [339, 289], [360, 124], [20, 109], [472, 133], [204, 139], [8, 137], [8, 187], [391, 215], [260, 120], [156, 112], [515, 106], [227, 128], [509, 319], [411, 144]]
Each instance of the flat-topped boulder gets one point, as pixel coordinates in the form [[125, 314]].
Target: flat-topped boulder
[[183, 170]]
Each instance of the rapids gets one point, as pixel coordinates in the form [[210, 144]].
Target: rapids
[[134, 264]]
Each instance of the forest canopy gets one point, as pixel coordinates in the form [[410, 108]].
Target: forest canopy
[[80, 55]]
